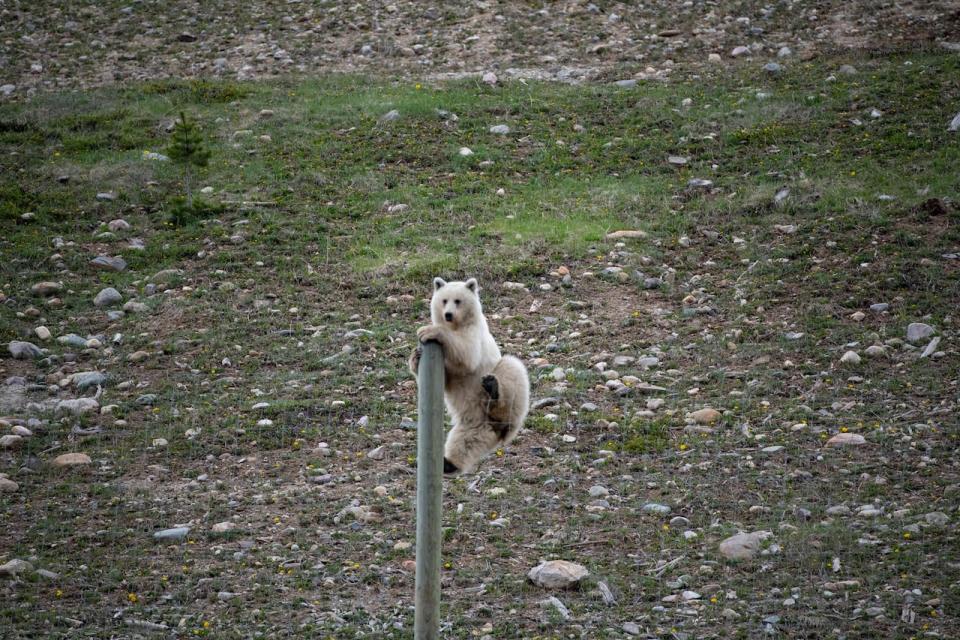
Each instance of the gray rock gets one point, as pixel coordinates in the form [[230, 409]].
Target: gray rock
[[24, 350], [107, 297], [15, 567], [10, 441], [147, 399], [937, 518], [917, 331], [931, 348], [378, 453], [8, 486], [700, 183], [679, 521], [106, 196], [955, 123], [784, 52], [772, 67], [88, 380], [656, 508], [588, 406], [557, 574], [847, 70], [850, 357], [500, 129], [652, 283], [171, 535], [598, 491], [7, 89], [73, 340], [553, 603], [46, 288], [542, 403], [739, 51], [880, 307], [390, 116], [626, 84], [743, 546], [107, 263]]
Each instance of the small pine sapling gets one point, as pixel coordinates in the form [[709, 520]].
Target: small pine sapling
[[187, 148]]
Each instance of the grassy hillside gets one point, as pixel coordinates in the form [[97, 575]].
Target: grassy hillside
[[268, 358]]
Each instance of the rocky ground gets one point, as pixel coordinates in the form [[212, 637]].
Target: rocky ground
[[733, 281], [48, 45]]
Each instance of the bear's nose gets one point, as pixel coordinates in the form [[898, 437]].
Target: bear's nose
[[448, 316]]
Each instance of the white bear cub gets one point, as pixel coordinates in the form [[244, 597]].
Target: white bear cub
[[487, 395]]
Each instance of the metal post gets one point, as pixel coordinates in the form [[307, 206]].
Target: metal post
[[429, 492]]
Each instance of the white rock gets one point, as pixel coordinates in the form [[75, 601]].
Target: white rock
[[490, 78], [844, 439], [72, 460], [557, 574], [223, 527], [10, 441], [500, 129], [8, 486], [955, 123], [743, 546], [177, 533], [554, 603], [850, 357], [465, 151]]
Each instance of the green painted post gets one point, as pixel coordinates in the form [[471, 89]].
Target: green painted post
[[429, 492]]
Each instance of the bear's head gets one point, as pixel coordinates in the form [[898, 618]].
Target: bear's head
[[455, 304]]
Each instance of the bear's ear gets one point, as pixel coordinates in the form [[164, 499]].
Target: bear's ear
[[438, 282], [472, 285]]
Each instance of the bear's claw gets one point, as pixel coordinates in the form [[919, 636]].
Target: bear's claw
[[449, 468]]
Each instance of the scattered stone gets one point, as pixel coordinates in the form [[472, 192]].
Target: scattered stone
[[917, 331], [490, 78], [699, 183], [138, 356], [784, 52], [628, 83], [847, 70], [876, 351], [739, 51], [223, 527], [106, 196], [135, 306], [500, 129], [107, 297], [72, 460], [850, 357], [631, 628], [955, 123], [772, 67], [631, 234], [608, 598], [588, 407], [931, 348], [42, 333], [743, 546], [15, 567], [88, 379], [46, 288], [465, 152], [8, 486], [106, 263], [168, 535], [78, 406], [598, 491], [705, 416], [390, 116], [937, 518], [677, 161], [656, 509], [557, 574], [554, 603], [378, 453], [844, 439], [24, 350], [10, 441]]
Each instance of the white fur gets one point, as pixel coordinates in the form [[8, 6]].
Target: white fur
[[480, 424]]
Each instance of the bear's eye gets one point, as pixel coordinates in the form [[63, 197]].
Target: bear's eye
[[444, 302], [456, 302]]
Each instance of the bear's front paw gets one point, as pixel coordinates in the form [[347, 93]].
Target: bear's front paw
[[430, 332]]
